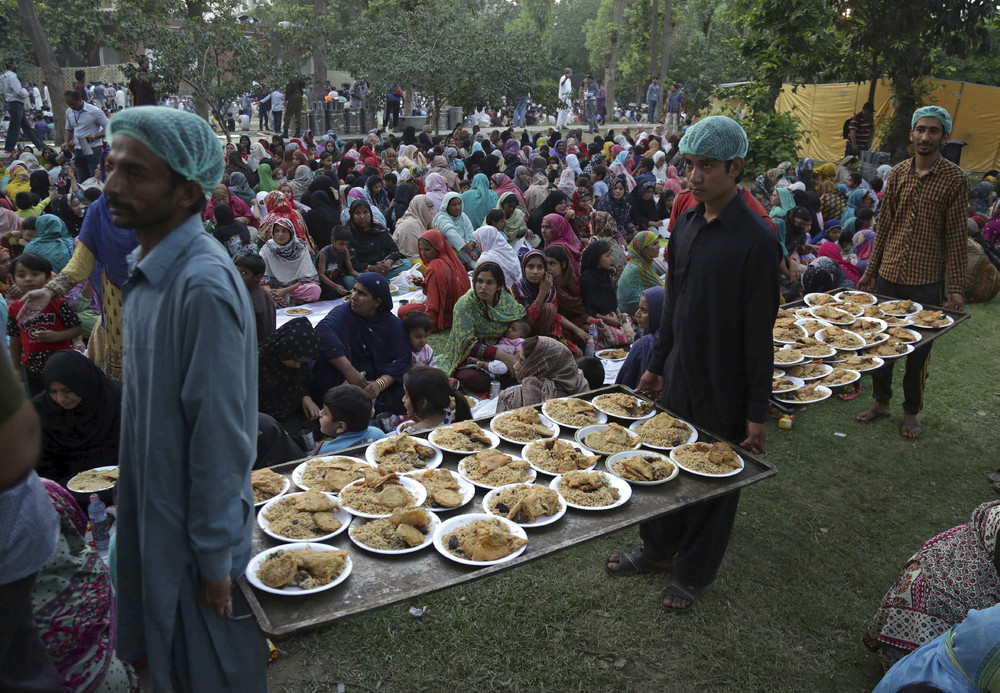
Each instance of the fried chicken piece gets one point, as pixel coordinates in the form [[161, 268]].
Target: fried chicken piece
[[491, 544], [328, 522], [488, 460], [321, 565], [277, 570], [314, 501], [410, 535], [394, 496], [408, 516], [537, 502], [447, 498]]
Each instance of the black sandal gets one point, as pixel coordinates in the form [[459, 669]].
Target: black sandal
[[636, 564]]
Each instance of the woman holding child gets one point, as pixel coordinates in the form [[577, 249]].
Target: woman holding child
[[282, 377], [444, 282], [545, 369]]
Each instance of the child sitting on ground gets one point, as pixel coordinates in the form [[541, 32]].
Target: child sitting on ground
[[251, 269], [430, 400], [41, 335], [336, 275], [418, 326], [346, 414], [593, 370]]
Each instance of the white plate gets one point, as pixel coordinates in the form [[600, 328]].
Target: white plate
[[876, 339], [256, 561], [301, 469], [813, 357], [810, 299], [801, 322], [840, 322], [916, 308], [546, 421], [819, 388], [572, 443], [627, 418], [411, 485], [453, 523], [433, 464], [601, 416], [533, 474], [466, 488], [862, 298], [913, 333], [299, 311], [856, 378], [540, 522], [103, 469], [900, 322], [743, 464], [265, 524], [284, 489], [798, 382], [624, 491], [635, 427], [785, 364], [879, 322], [643, 453], [432, 525], [777, 374], [605, 358], [909, 350], [822, 333], [587, 430], [801, 330], [950, 321], [827, 370], [494, 441], [855, 309], [804, 313], [878, 360]]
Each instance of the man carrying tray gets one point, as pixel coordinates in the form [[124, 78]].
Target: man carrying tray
[[713, 360]]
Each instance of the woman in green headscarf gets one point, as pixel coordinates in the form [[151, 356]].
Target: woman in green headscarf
[[639, 274], [52, 240], [786, 202], [516, 224], [266, 183]]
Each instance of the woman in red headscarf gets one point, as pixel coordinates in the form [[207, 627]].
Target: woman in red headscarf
[[583, 213], [445, 280], [280, 207]]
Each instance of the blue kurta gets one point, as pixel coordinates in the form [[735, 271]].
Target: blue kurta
[[189, 433]]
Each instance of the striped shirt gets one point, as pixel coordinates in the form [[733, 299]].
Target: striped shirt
[[864, 129], [921, 226]]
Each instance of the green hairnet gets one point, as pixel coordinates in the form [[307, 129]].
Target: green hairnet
[[184, 141], [715, 137], [932, 112]]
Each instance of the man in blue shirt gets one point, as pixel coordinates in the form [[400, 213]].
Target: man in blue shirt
[[653, 98], [590, 102], [674, 101]]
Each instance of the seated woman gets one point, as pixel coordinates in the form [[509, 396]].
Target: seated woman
[[545, 369], [831, 251], [411, 225], [645, 214], [80, 413], [283, 377], [583, 213], [481, 318], [516, 223], [289, 273], [222, 196], [444, 282], [232, 234], [647, 316], [431, 401], [572, 312], [557, 233], [613, 328], [363, 343], [536, 292], [617, 204], [452, 222], [639, 274], [279, 207], [52, 240], [954, 572], [372, 247], [557, 202], [493, 247]]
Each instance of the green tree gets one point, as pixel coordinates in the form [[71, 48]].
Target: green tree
[[71, 27]]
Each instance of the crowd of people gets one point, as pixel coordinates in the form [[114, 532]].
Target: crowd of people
[[531, 251]]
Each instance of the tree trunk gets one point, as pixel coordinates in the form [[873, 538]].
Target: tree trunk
[[903, 90], [668, 30], [873, 79], [611, 66], [319, 61], [46, 59], [654, 55]]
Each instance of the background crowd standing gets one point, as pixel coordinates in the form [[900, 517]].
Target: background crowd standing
[[531, 250]]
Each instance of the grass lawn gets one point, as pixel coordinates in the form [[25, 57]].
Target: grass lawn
[[813, 552]]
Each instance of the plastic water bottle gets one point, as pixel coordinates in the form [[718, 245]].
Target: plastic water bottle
[[591, 347], [593, 331], [98, 513]]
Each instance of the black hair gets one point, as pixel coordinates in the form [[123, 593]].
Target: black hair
[[558, 254], [416, 320], [79, 74], [390, 177], [729, 165], [869, 105], [92, 194], [29, 223], [495, 270], [593, 371], [350, 404], [856, 178], [845, 240], [340, 233], [252, 262], [176, 180], [592, 256], [73, 94], [26, 199], [877, 184], [33, 262], [435, 392], [600, 170], [864, 214], [522, 323], [493, 216]]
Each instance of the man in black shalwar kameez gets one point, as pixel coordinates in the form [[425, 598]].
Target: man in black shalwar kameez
[[714, 357]]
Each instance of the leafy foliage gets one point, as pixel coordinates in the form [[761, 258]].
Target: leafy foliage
[[70, 25]]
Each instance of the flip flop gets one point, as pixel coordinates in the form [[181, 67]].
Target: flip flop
[[636, 564], [871, 415], [916, 425], [689, 595], [994, 477]]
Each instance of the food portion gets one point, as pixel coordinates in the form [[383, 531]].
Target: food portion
[[664, 431], [404, 529], [302, 568], [874, 312], [376, 494], [888, 349], [851, 307], [95, 480], [834, 315], [842, 339], [588, 489], [859, 297], [304, 516], [708, 458], [612, 439], [298, 311], [523, 425], [785, 330], [482, 540], [525, 503], [787, 355], [808, 370], [443, 490], [466, 435], [899, 308], [266, 485], [643, 468], [839, 376], [862, 362], [901, 335], [558, 457], [896, 321], [572, 412], [821, 299], [783, 384], [812, 326], [931, 318], [620, 404], [811, 347], [402, 454], [807, 393], [613, 354], [332, 474], [493, 468]]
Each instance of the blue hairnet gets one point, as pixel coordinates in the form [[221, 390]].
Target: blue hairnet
[[715, 137], [932, 112], [185, 142]]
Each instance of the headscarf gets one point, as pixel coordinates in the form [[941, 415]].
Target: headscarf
[[981, 198], [786, 203], [447, 274], [521, 185], [495, 248], [267, 183], [828, 170], [547, 207], [280, 207], [361, 195], [280, 389], [503, 184], [864, 243], [435, 188], [854, 201], [238, 187], [60, 208], [515, 226], [883, 172], [226, 226], [832, 250], [381, 200], [86, 436], [620, 210], [563, 236], [459, 227], [536, 194], [573, 163], [643, 211], [257, 154], [582, 215], [596, 284], [525, 291], [637, 258], [418, 218], [473, 320], [478, 200], [300, 183], [52, 240], [673, 180], [803, 171], [550, 371], [618, 171]]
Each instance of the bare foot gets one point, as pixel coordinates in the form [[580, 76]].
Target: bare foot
[[675, 601], [879, 410], [912, 428]]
